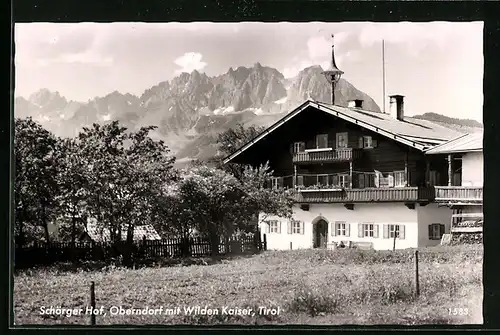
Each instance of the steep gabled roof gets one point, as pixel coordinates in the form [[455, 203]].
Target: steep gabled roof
[[466, 143], [102, 235], [416, 133]]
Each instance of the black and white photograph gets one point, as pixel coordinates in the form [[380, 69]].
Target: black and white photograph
[[248, 173]]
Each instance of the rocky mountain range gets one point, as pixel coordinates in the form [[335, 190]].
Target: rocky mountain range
[[192, 109]]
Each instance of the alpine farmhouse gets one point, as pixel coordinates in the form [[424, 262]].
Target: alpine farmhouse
[[369, 179]]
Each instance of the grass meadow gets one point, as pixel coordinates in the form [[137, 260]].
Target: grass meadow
[[313, 287]]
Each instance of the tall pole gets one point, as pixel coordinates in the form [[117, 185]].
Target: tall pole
[[383, 73], [333, 92]]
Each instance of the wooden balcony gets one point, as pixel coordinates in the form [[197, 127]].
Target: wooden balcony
[[332, 155], [467, 223], [459, 194], [392, 194]]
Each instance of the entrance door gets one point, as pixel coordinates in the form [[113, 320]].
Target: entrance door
[[320, 234]]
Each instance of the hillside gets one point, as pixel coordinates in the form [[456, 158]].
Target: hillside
[[192, 109]]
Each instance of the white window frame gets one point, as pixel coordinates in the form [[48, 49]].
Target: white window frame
[[297, 146], [274, 183], [343, 180], [394, 228], [340, 228], [273, 226], [296, 227], [367, 142], [402, 182], [345, 142], [317, 141], [368, 229]]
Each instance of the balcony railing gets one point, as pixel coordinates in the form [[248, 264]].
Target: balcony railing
[[459, 194], [332, 155], [467, 222], [402, 194]]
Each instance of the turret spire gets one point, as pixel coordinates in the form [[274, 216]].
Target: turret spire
[[333, 73]]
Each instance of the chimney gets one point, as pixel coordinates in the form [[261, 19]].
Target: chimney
[[356, 103], [396, 106]]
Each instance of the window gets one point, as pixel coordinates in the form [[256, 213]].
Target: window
[[344, 180], [275, 183], [436, 231], [322, 179], [298, 147], [367, 142], [391, 230], [341, 140], [322, 141], [368, 230], [297, 227], [399, 179], [340, 228], [274, 226]]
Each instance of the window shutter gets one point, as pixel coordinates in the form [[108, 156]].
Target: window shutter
[[302, 147], [390, 179], [430, 232], [441, 229], [267, 227], [300, 180], [333, 230], [402, 232], [374, 143], [375, 230], [302, 227], [335, 180], [280, 182], [360, 142], [360, 230], [290, 226], [361, 180], [347, 229], [279, 227], [386, 231]]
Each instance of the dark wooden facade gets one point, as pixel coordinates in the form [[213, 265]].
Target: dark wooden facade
[[299, 166]]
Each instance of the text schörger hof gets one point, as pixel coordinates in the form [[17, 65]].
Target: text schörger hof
[[186, 310]]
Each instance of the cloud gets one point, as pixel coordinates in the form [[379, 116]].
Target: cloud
[[318, 53], [189, 62]]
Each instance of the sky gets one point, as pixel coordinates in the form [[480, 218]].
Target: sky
[[437, 66]]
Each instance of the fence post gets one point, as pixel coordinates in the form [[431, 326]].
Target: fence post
[[417, 286], [92, 303], [259, 239], [265, 242], [394, 242], [290, 245]]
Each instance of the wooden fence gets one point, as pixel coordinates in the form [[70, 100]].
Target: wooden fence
[[49, 253]]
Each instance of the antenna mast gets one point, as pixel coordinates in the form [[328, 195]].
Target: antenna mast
[[383, 73]]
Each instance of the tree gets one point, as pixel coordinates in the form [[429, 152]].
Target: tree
[[73, 189], [231, 140], [35, 179], [127, 174], [218, 204]]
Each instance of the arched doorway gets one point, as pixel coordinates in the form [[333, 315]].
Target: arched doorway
[[320, 233]]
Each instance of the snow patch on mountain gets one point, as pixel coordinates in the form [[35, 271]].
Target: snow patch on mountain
[[281, 101]]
